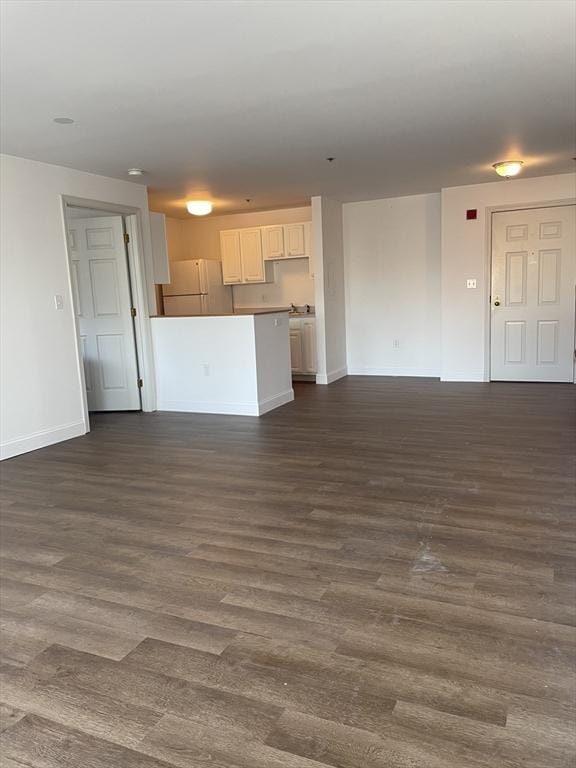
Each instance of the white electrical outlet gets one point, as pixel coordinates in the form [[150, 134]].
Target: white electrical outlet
[[206, 369], [471, 283], [396, 344], [58, 302]]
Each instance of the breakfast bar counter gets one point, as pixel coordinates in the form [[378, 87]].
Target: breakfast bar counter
[[232, 363]]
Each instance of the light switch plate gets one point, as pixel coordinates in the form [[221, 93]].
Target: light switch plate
[[471, 283], [58, 302]]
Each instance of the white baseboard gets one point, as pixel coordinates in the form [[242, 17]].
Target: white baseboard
[[463, 376], [192, 406], [328, 378], [227, 409], [41, 439], [275, 402], [433, 373]]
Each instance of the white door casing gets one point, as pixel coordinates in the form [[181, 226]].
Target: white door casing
[[533, 294], [102, 302]]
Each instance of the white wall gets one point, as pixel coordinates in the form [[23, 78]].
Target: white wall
[[329, 289], [466, 254], [392, 260], [175, 239], [40, 384]]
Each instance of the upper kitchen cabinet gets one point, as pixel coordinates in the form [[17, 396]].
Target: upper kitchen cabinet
[[286, 241], [295, 239], [242, 257], [160, 261], [251, 256], [273, 242], [231, 258]]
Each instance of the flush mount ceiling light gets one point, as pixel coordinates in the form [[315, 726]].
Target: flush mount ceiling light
[[135, 172], [508, 168], [63, 120], [199, 207]]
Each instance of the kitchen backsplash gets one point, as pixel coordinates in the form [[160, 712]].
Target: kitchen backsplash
[[292, 284]]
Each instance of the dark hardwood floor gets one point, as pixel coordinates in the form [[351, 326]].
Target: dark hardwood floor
[[378, 575]]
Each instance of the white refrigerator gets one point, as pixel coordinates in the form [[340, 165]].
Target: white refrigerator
[[196, 288]]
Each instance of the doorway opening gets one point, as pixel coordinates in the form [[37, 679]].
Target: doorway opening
[[103, 296], [532, 301]]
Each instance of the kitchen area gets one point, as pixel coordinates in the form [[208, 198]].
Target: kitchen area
[[235, 321]]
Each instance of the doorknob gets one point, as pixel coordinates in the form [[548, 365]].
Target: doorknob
[[496, 302]]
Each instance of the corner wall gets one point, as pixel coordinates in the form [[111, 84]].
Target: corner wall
[[40, 380], [329, 278], [466, 254]]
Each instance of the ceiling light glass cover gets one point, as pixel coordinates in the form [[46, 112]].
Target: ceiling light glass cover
[[508, 168], [199, 207]]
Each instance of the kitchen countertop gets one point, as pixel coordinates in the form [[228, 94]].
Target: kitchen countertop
[[239, 312], [247, 311]]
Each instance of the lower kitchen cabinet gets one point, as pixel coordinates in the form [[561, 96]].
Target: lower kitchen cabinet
[[303, 345]]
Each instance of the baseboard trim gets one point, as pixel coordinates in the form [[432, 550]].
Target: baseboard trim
[[328, 378], [463, 376], [275, 402], [430, 373], [41, 439], [192, 406], [227, 409]]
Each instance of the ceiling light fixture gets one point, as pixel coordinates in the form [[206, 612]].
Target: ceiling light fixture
[[508, 168], [199, 207], [135, 172], [63, 120]]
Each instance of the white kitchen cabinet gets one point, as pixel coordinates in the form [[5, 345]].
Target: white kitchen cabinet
[[242, 257], [308, 345], [160, 261], [296, 356], [303, 345], [273, 242], [251, 256], [231, 258], [295, 240]]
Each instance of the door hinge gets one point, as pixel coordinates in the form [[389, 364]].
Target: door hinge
[[140, 383], [133, 311], [126, 238]]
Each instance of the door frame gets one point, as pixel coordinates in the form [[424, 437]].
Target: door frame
[[132, 218], [488, 270]]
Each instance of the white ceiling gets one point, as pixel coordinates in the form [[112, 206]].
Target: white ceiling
[[230, 100]]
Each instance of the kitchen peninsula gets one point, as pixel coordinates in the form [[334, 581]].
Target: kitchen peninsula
[[228, 363]]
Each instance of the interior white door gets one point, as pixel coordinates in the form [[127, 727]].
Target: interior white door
[[102, 299], [532, 301]]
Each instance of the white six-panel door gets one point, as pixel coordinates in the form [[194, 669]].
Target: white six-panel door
[[101, 288], [533, 294]]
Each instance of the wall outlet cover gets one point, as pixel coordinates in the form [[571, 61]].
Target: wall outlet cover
[[472, 283]]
